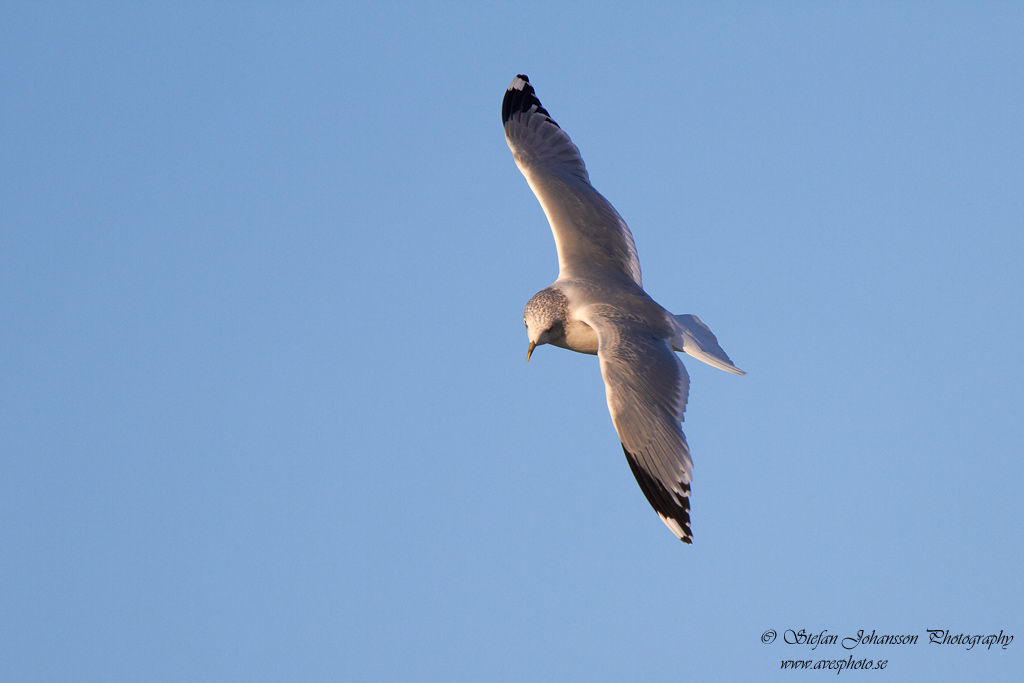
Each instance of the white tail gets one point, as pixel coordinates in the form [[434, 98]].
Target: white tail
[[694, 338]]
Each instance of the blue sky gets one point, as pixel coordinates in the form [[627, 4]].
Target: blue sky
[[264, 410]]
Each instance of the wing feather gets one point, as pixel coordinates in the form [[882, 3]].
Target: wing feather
[[647, 389], [589, 233]]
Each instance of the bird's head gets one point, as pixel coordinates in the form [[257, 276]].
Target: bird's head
[[544, 317]]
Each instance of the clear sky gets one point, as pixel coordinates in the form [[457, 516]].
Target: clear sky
[[264, 410]]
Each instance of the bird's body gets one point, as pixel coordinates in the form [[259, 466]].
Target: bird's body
[[598, 306]]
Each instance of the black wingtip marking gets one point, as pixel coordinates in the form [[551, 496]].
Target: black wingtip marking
[[661, 499], [521, 97]]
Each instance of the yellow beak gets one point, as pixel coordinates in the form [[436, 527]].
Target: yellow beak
[[529, 351]]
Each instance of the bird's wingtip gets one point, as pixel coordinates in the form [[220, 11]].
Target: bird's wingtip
[[520, 97], [519, 82]]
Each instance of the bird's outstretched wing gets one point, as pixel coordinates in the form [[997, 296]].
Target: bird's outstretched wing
[[647, 387], [589, 233]]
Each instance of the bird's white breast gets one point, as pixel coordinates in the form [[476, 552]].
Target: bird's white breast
[[580, 337]]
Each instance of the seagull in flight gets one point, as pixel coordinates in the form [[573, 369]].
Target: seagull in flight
[[598, 306]]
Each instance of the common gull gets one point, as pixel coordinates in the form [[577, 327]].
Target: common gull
[[598, 306]]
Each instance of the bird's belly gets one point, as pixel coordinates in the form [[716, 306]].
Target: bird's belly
[[579, 337]]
